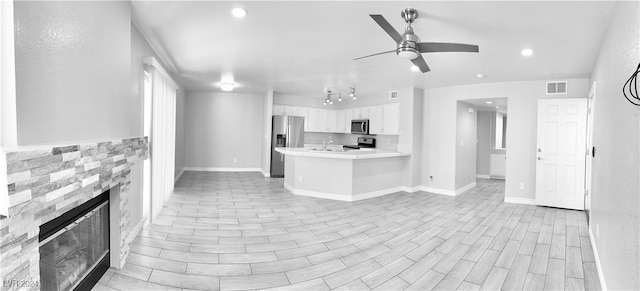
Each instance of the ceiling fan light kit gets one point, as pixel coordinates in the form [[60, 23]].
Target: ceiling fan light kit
[[408, 45], [227, 86]]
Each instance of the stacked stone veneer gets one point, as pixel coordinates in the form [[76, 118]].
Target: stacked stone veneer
[[47, 182]]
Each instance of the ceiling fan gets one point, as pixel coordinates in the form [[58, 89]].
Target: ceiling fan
[[409, 45]]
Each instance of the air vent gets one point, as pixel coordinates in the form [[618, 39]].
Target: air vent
[[393, 95], [559, 87]]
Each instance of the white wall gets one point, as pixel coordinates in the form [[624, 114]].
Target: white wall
[[72, 71], [222, 126], [440, 130], [615, 201], [267, 108], [466, 142], [86, 59], [8, 118]]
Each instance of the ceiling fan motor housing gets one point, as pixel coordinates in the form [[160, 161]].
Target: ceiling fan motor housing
[[408, 47]]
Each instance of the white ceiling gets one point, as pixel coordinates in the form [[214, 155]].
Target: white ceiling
[[481, 104], [304, 48]]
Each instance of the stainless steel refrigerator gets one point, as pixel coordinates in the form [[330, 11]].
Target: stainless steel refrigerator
[[286, 131]]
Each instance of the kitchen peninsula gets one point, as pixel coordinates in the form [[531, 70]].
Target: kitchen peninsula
[[343, 175]]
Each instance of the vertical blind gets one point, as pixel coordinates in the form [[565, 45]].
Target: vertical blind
[[163, 135]]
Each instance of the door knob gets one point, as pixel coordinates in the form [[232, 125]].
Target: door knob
[[540, 159]]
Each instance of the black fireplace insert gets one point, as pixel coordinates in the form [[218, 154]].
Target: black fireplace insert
[[74, 247]]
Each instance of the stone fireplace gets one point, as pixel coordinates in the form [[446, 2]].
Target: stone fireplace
[[45, 183]]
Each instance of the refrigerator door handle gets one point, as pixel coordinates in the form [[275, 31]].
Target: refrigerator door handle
[[281, 157], [288, 135]]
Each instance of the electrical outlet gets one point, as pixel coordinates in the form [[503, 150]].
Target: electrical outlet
[[235, 160], [521, 186], [431, 178], [299, 178]]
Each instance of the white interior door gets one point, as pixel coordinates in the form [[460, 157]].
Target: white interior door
[[561, 152]]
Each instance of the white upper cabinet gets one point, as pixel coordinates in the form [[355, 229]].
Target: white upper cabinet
[[291, 110], [390, 117], [340, 123], [332, 121], [383, 119], [322, 120], [375, 120], [278, 110], [360, 113], [304, 112], [348, 116], [313, 119]]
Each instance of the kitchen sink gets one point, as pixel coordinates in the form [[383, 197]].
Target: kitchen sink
[[327, 150]]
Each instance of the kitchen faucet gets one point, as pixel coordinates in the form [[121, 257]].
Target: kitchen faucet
[[325, 144]]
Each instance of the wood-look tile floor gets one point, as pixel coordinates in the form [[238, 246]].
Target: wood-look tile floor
[[241, 231]]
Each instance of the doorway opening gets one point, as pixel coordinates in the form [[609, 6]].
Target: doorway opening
[[491, 134]]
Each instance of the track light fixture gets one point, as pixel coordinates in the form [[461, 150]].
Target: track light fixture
[[328, 100]]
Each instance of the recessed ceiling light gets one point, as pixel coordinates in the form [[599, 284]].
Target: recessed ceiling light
[[489, 102], [227, 86], [239, 12], [527, 52], [480, 75], [415, 68]]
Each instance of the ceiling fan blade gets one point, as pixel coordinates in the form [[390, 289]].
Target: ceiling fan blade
[[436, 47], [387, 27], [391, 51], [419, 61]]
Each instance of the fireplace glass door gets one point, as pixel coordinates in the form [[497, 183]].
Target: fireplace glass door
[[69, 255]]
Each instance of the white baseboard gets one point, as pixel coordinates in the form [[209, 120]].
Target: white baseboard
[[179, 175], [348, 198], [483, 176], [603, 284], [498, 177], [465, 188], [215, 169], [517, 200], [438, 191], [265, 173], [410, 189], [136, 229]]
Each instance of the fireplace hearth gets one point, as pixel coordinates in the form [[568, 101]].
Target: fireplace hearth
[[74, 248]]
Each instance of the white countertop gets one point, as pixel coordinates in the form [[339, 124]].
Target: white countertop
[[352, 154]]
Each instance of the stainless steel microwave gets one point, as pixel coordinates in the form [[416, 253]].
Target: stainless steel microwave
[[360, 126]]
